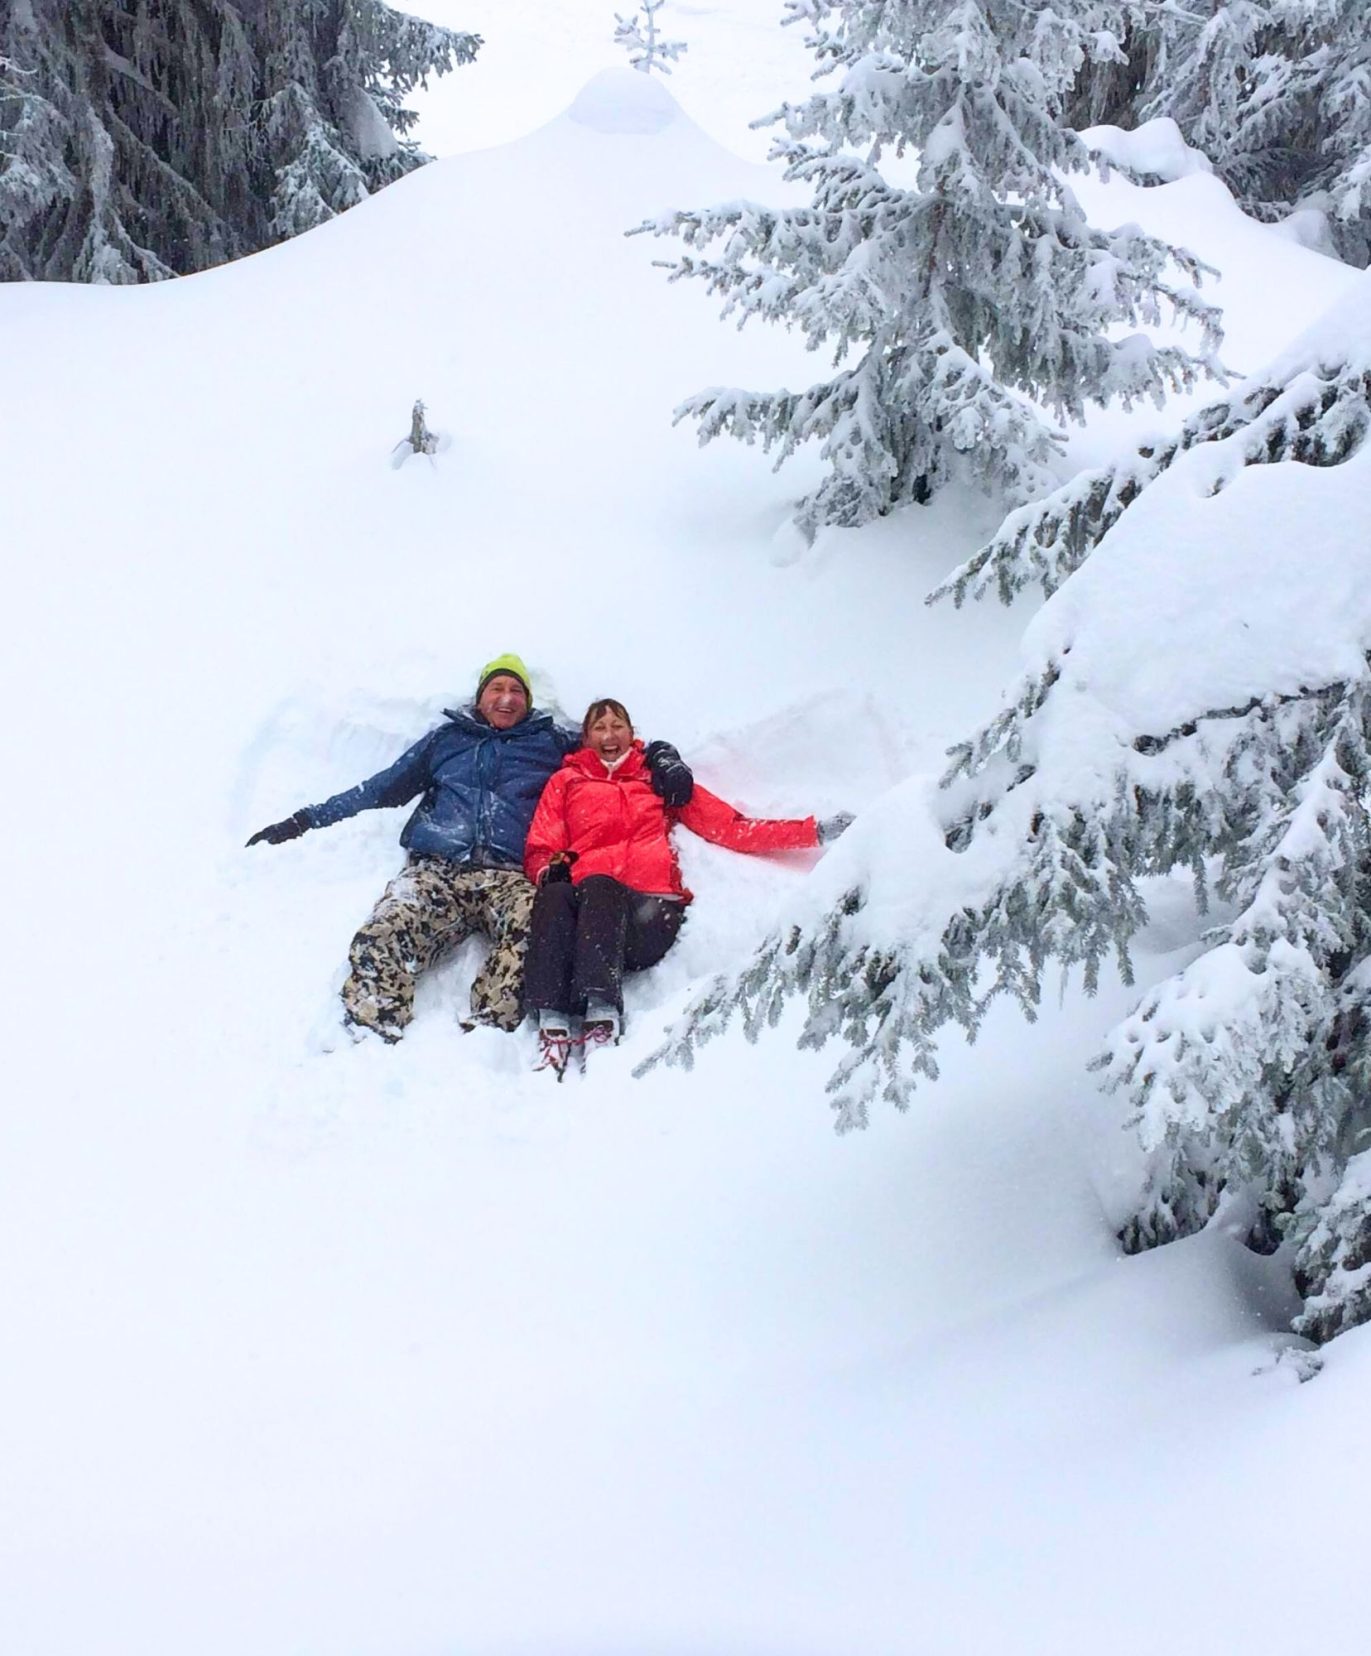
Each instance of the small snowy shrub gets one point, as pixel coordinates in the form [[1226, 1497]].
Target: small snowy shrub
[[420, 440], [639, 36]]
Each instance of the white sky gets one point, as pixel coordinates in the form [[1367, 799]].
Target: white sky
[[740, 64]]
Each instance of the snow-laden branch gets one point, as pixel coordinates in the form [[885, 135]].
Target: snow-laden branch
[[1313, 412]]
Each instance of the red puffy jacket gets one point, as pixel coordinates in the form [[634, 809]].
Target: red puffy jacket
[[616, 825]]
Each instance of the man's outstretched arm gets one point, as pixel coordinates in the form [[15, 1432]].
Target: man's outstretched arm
[[396, 785]]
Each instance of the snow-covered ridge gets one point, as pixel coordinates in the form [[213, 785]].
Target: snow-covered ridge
[[1152, 153]]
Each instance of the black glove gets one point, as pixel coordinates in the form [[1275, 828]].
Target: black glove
[[831, 827], [295, 824], [673, 781], [559, 869]]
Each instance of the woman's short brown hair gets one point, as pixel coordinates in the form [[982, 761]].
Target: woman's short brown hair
[[606, 704]]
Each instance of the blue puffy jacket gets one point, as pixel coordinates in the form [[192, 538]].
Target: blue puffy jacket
[[480, 787]]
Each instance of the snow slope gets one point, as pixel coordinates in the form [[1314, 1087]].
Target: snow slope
[[410, 1351]]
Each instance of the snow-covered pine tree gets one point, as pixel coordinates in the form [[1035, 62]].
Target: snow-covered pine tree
[[1204, 63], [1333, 1267], [145, 138], [641, 38], [1221, 76], [1197, 702], [968, 294]]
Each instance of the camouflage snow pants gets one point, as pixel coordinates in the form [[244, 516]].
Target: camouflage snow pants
[[425, 911]]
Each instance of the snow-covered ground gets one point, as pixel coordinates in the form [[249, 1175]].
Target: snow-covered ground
[[407, 1352]]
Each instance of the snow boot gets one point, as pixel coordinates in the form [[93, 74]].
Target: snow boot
[[601, 1027], [554, 1052], [556, 1042]]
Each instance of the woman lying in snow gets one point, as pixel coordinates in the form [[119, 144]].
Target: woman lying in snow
[[610, 897]]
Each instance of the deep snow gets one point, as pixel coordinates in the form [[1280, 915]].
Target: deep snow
[[411, 1351]]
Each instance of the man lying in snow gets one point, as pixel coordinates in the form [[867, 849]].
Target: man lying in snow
[[480, 775]]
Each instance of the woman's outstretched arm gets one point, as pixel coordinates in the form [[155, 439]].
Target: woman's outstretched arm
[[714, 819]]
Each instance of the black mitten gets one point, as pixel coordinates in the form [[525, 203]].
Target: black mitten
[[559, 869], [673, 781], [831, 827], [295, 824]]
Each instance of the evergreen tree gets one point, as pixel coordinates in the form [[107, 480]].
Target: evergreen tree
[[1333, 1266], [639, 36], [966, 296], [1230, 95], [1344, 105], [1249, 1072], [1276, 93], [148, 138], [33, 171]]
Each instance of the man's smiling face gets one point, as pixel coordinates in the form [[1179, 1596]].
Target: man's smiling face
[[503, 702]]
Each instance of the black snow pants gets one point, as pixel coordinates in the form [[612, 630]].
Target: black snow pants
[[584, 937]]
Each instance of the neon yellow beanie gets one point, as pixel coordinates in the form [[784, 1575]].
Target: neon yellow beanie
[[508, 663]]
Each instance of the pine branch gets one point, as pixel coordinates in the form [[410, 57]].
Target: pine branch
[[1318, 417]]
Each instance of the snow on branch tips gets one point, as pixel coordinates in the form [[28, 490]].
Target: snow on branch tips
[[640, 37], [968, 309]]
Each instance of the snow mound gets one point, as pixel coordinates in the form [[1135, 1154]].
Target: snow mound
[[1211, 574], [623, 101], [1155, 152], [1307, 227]]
